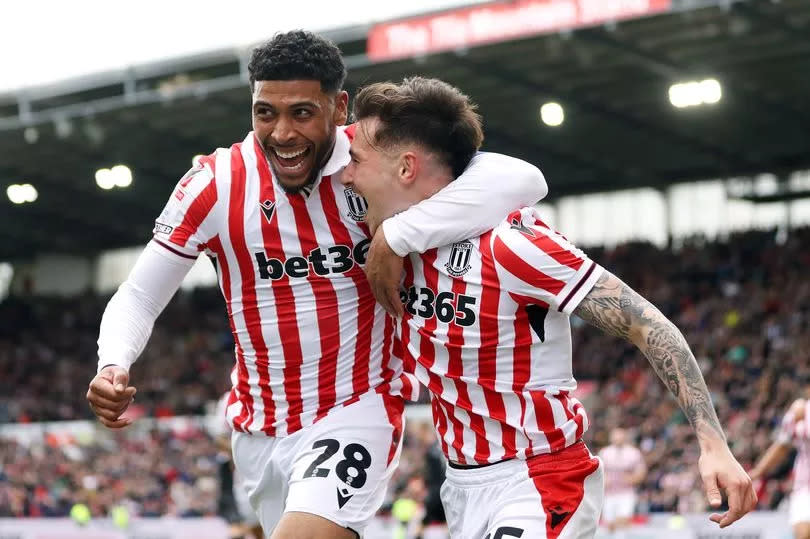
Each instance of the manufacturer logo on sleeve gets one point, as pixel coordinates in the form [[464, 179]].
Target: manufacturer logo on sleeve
[[518, 225]]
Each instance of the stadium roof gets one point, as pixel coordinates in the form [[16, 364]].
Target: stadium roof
[[613, 79]]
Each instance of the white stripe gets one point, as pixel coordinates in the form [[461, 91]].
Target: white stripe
[[305, 311], [223, 166], [347, 295], [255, 243]]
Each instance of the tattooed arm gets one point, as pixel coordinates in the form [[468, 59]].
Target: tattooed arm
[[618, 310]]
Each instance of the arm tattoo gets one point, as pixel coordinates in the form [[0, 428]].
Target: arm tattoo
[[618, 310]]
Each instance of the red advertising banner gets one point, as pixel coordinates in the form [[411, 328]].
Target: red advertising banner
[[494, 22]]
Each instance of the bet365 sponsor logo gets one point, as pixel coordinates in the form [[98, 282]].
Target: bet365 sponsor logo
[[321, 261]]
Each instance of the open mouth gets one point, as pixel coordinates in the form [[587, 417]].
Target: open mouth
[[291, 160]]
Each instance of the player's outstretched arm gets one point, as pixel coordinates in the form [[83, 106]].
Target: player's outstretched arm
[[779, 449], [126, 326], [617, 309], [491, 186], [638, 474], [776, 453]]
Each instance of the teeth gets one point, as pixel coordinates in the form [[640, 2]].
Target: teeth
[[290, 155], [299, 166]]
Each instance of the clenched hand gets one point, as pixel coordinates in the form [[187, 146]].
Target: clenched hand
[[109, 396]]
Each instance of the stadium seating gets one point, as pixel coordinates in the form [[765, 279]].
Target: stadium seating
[[743, 304]]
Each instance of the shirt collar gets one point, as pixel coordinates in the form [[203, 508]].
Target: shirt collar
[[340, 154]]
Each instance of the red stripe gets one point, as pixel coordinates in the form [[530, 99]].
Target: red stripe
[[521, 363], [395, 408], [210, 160], [284, 302], [522, 300], [427, 352], [354, 399], [540, 222], [455, 370], [366, 304], [545, 420], [427, 357], [560, 480], [402, 344], [487, 354], [386, 372], [524, 271], [440, 422], [326, 307], [242, 379], [434, 383], [250, 309], [556, 251], [458, 431], [173, 250], [195, 214], [572, 413]]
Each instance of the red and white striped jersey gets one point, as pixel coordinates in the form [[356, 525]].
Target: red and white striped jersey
[[620, 462], [486, 329], [308, 333], [796, 432]]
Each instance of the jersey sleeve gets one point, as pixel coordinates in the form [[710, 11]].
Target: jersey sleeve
[[184, 226], [540, 265], [490, 187], [638, 458], [131, 313], [786, 433]]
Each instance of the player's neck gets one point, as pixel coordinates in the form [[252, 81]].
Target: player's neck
[[431, 183]]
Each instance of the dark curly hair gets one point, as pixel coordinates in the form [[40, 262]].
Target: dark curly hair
[[424, 111], [298, 55]]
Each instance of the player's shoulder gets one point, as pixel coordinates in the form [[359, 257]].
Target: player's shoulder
[[207, 169], [798, 409], [500, 165], [523, 231], [348, 130]]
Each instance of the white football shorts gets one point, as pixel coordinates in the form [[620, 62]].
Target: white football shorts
[[549, 496], [619, 505], [337, 468], [799, 507]]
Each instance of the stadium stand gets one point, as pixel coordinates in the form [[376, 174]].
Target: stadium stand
[[742, 299], [743, 304]]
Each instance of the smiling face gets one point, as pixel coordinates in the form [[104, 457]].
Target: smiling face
[[295, 122]]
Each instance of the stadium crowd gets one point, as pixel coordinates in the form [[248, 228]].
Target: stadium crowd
[[743, 304]]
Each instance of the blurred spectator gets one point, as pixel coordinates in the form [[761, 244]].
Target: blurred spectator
[[743, 304], [152, 474]]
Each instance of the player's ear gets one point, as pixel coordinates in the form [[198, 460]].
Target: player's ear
[[407, 167], [341, 113]]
